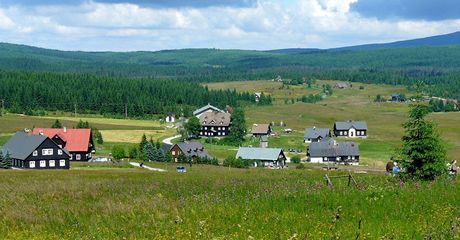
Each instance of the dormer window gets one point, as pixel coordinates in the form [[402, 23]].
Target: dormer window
[[35, 153]]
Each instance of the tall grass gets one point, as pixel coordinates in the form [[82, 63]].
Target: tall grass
[[221, 203]]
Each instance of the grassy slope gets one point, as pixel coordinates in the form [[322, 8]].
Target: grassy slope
[[219, 203], [384, 119]]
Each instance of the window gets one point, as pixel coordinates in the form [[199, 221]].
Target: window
[[32, 164], [71, 156], [42, 163], [59, 152], [35, 153], [62, 163], [47, 152], [173, 152], [78, 157], [52, 163]]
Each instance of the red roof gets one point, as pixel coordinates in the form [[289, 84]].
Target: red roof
[[77, 140]]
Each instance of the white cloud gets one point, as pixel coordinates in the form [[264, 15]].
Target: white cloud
[[269, 24]]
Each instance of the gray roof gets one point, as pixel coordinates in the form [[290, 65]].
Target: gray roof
[[166, 148], [193, 149], [259, 153], [205, 108], [350, 124], [313, 133], [331, 148], [215, 119], [21, 145]]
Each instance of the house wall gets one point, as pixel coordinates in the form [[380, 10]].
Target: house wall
[[80, 156], [175, 152], [46, 160], [220, 131], [316, 159]]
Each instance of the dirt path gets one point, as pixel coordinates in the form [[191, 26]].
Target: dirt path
[[147, 167]]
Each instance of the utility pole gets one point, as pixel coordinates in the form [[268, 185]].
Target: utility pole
[[126, 110], [75, 110], [3, 107]]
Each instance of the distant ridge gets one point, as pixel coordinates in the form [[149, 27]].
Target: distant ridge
[[440, 40]]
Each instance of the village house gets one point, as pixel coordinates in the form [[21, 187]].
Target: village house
[[29, 151], [316, 134], [341, 85], [350, 129], [215, 124], [78, 142], [267, 157], [206, 109], [397, 97], [257, 96], [333, 151], [170, 118], [261, 129], [188, 149]]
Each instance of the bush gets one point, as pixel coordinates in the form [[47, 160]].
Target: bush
[[133, 152], [295, 159], [237, 162], [118, 152]]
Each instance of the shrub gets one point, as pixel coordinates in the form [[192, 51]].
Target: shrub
[[295, 159], [118, 152], [133, 152]]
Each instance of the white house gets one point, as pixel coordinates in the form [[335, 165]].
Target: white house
[[350, 129], [170, 118]]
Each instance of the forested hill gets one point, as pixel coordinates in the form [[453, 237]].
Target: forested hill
[[33, 92], [438, 66]]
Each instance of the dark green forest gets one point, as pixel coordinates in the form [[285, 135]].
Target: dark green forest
[[109, 80], [33, 92]]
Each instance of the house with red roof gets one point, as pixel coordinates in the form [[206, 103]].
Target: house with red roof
[[78, 142]]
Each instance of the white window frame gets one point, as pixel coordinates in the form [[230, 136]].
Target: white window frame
[[42, 163], [52, 163], [61, 163], [78, 157], [31, 164], [47, 152], [59, 151], [35, 153], [173, 152]]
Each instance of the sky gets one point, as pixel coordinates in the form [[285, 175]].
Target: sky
[[150, 25]]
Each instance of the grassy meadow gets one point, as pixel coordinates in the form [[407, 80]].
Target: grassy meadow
[[101, 202], [384, 119]]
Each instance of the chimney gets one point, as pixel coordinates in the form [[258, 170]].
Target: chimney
[[314, 127], [65, 129], [41, 132]]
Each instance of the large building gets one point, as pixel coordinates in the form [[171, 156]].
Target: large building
[[29, 151], [215, 124], [333, 151], [350, 129], [79, 142]]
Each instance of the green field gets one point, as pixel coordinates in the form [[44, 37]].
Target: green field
[[101, 202]]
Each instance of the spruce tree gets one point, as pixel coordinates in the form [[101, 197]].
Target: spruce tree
[[56, 124], [7, 161], [423, 152]]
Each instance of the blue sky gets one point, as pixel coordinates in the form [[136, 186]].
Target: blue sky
[[128, 25]]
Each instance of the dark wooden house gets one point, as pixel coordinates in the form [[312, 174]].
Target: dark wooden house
[[29, 151], [215, 124], [188, 149]]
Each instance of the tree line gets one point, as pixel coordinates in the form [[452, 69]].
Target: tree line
[[32, 92]]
